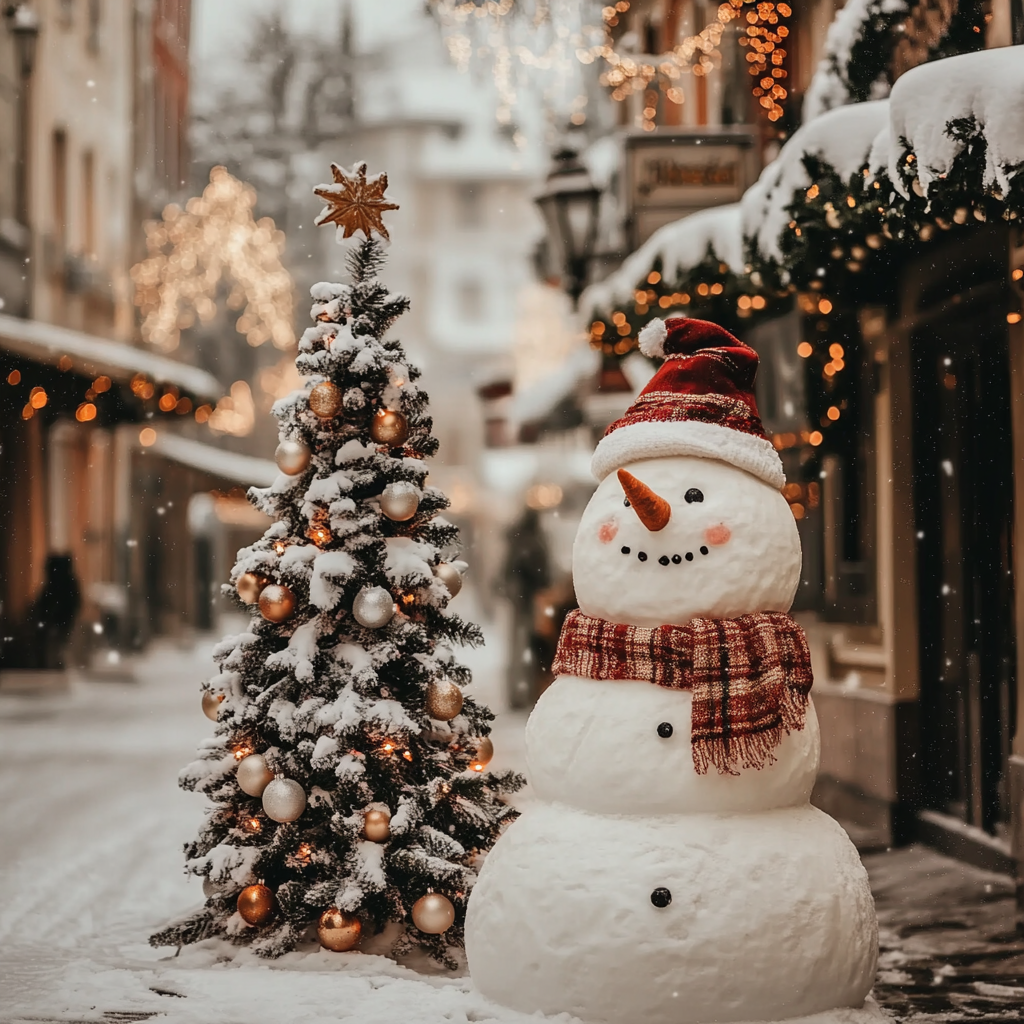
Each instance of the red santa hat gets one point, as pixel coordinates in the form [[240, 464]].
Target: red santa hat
[[699, 402]]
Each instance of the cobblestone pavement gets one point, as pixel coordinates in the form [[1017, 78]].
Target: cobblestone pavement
[[949, 948]]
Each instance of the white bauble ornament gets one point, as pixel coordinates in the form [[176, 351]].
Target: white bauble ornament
[[284, 800], [586, 737], [399, 501], [252, 775], [448, 573], [373, 607], [433, 913], [292, 457], [211, 704], [767, 917], [728, 550]]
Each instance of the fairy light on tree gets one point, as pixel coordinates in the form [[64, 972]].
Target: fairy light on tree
[[192, 250]]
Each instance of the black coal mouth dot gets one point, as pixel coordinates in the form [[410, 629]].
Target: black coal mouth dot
[[661, 897], [642, 555]]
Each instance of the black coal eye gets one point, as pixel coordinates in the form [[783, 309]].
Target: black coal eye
[[625, 551], [703, 550], [692, 495], [665, 730], [661, 897], [625, 501]]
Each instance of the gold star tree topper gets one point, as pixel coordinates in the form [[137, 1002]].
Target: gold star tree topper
[[355, 202]]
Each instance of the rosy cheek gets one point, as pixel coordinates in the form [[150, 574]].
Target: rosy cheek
[[606, 531], [718, 535]]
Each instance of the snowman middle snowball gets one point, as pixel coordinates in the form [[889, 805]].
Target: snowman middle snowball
[[732, 551]]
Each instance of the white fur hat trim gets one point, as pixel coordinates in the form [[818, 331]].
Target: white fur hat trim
[[705, 440], [652, 338]]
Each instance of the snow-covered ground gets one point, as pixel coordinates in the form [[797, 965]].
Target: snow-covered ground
[[90, 863]]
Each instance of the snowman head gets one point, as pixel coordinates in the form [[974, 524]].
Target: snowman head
[[688, 519]]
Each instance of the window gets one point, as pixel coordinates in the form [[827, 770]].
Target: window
[[471, 300], [89, 204], [60, 189], [469, 197]]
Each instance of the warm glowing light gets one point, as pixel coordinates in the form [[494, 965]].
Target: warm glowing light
[[85, 412], [14, 377], [797, 509], [203, 413], [242, 751], [816, 437], [1013, 318], [37, 398], [804, 349], [812, 192], [824, 306], [304, 852], [653, 277], [542, 496], [836, 351], [407, 754], [832, 413], [235, 413], [830, 370], [279, 546], [191, 251], [183, 406], [252, 825], [167, 402], [147, 437], [1016, 275], [101, 384], [597, 328], [64, 363], [27, 412], [759, 302], [387, 746]]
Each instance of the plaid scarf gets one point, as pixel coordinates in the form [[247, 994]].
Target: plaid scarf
[[750, 677]]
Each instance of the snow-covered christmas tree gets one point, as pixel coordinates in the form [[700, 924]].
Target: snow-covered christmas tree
[[347, 771]]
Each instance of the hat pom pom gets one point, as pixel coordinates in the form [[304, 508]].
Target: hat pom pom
[[652, 338]]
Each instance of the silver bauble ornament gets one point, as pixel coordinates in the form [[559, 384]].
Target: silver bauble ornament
[[373, 607], [399, 501], [292, 457], [433, 913], [444, 700], [252, 775], [450, 576], [284, 800]]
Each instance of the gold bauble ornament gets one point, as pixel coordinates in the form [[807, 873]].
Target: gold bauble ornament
[[253, 775], [337, 930], [444, 700], [433, 913], [211, 704], [277, 602], [249, 587], [256, 904], [482, 755], [325, 400], [400, 500], [377, 826], [292, 457], [450, 576], [389, 427]]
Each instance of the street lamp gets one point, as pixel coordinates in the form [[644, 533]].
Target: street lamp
[[569, 203], [23, 23]]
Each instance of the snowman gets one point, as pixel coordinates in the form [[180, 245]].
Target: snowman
[[671, 869]]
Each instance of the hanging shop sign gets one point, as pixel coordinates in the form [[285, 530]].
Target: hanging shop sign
[[670, 176]]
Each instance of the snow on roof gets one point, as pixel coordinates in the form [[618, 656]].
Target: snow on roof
[[92, 356], [843, 137], [241, 469], [987, 86], [536, 401], [680, 246]]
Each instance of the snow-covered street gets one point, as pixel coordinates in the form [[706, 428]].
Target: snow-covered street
[[90, 864]]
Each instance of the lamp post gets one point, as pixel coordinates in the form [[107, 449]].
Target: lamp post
[[23, 23], [569, 203]]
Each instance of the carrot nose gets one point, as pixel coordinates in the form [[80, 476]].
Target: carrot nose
[[653, 510]]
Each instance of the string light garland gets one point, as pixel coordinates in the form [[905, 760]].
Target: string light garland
[[191, 251]]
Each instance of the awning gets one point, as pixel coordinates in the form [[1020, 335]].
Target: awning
[[239, 469], [91, 356]]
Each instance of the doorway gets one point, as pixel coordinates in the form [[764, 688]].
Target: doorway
[[963, 496]]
